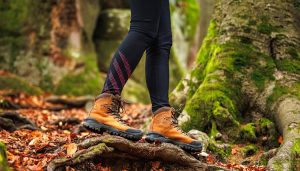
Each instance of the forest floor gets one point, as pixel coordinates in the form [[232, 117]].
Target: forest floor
[[44, 124]]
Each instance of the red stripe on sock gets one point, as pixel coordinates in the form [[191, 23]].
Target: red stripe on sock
[[126, 64], [113, 82], [119, 71]]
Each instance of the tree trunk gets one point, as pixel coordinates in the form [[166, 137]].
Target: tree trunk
[[248, 66]]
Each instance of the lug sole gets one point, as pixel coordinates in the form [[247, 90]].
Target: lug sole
[[154, 137], [99, 128]]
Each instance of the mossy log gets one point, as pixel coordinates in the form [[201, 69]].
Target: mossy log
[[249, 63], [118, 153]]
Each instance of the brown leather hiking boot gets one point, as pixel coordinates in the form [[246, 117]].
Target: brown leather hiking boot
[[164, 128], [105, 116]]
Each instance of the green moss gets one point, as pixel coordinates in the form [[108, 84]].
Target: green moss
[[85, 82], [265, 26], [249, 150], [222, 152], [296, 153], [252, 22], [263, 161], [213, 130], [264, 122], [214, 63], [278, 165], [203, 56], [278, 91], [248, 132], [79, 84], [296, 147], [3, 159], [289, 65], [17, 84]]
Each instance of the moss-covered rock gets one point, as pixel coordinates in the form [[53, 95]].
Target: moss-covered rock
[[248, 132], [296, 153], [17, 84], [221, 150], [249, 150]]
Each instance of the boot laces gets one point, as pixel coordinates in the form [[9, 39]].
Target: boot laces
[[117, 107], [174, 121]]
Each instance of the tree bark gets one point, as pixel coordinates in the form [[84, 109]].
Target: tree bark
[[249, 63], [119, 153]]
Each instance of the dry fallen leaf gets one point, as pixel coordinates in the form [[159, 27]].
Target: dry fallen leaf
[[71, 149], [280, 139]]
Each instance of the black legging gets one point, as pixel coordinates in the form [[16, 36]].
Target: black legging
[[150, 30]]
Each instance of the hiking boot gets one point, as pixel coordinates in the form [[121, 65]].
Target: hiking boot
[[105, 116], [164, 128]]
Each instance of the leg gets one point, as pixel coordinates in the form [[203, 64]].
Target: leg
[[164, 126], [143, 30], [105, 114], [157, 61]]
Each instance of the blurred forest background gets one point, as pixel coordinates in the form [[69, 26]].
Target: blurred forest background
[[65, 47], [234, 76]]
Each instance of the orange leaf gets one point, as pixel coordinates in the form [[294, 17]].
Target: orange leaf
[[280, 139]]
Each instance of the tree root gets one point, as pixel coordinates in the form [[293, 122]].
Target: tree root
[[73, 102], [12, 121], [287, 117], [117, 152]]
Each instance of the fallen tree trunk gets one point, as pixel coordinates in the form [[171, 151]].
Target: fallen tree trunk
[[118, 153]]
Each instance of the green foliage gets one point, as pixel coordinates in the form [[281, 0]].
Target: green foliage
[[17, 84], [190, 10]]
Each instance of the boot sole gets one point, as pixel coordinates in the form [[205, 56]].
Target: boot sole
[[99, 128], [153, 137]]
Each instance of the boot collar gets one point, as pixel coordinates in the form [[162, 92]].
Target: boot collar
[[162, 109], [104, 95]]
